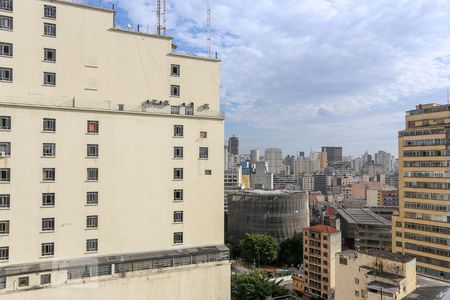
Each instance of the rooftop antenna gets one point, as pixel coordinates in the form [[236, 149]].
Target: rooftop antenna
[[208, 22], [448, 99], [161, 17]]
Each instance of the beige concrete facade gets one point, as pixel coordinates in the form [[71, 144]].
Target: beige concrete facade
[[150, 118]]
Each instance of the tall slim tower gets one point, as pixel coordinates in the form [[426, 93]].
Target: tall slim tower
[[422, 227], [233, 145]]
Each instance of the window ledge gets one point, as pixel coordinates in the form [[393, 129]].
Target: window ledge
[[5, 208], [91, 89], [89, 229], [47, 206], [91, 204], [4, 261], [49, 61], [203, 158], [45, 131], [91, 133], [6, 81], [49, 18], [6, 56], [177, 137], [177, 223], [49, 85], [5, 130], [178, 158], [43, 156], [48, 181], [6, 156], [91, 181], [90, 252], [91, 157], [5, 182], [177, 201], [175, 75], [177, 179], [177, 244], [4, 234], [49, 36], [49, 231], [6, 29], [46, 256], [175, 96]]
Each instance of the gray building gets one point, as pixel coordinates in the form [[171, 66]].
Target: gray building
[[334, 154], [320, 183], [233, 145]]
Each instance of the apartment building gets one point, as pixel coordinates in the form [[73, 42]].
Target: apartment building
[[422, 227], [111, 165], [321, 243]]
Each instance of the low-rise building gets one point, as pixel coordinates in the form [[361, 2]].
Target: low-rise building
[[388, 197]]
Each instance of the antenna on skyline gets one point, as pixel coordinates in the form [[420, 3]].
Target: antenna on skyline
[[161, 17], [208, 22], [448, 99]]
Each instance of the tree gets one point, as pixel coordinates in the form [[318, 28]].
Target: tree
[[255, 286], [291, 250], [259, 248], [234, 244]]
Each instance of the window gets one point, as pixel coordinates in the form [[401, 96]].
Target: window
[[5, 122], [203, 153], [48, 199], [399, 244], [5, 148], [47, 249], [178, 217], [398, 234], [208, 172], [92, 198], [178, 173], [92, 174], [189, 111], [4, 227], [92, 150], [6, 74], [49, 11], [2, 282], [5, 200], [92, 126], [92, 245], [177, 195], [178, 130], [177, 152], [4, 253], [49, 54], [92, 222], [6, 5], [24, 281], [48, 149], [175, 110], [175, 90], [343, 260], [175, 70], [5, 175], [48, 224], [49, 125], [6, 49], [46, 279], [178, 238], [49, 29], [6, 22], [357, 280], [203, 134], [48, 174], [49, 78], [356, 293]]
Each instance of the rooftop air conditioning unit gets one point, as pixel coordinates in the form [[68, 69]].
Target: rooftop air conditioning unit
[[166, 102], [155, 102], [206, 106]]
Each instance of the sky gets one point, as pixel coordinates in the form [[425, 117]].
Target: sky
[[301, 74]]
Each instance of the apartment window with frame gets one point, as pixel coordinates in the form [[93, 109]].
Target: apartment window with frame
[[49, 29], [175, 110], [92, 245], [178, 130], [48, 125], [203, 153], [208, 172], [6, 5], [189, 111], [178, 217], [24, 281], [2, 282], [49, 11], [49, 54], [175, 90], [48, 150], [49, 78], [4, 253], [178, 195], [48, 174], [92, 198], [48, 199], [175, 70], [5, 174], [177, 152], [92, 126], [47, 249], [48, 224], [6, 74], [203, 134], [46, 279], [178, 173], [178, 238], [5, 148], [4, 227], [5, 122], [92, 174], [92, 150], [5, 201], [6, 22], [92, 222], [6, 49]]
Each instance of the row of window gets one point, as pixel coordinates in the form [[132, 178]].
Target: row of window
[[178, 152], [427, 238], [426, 249], [422, 132], [427, 164], [49, 11], [48, 224], [427, 142], [49, 149], [433, 196], [427, 206], [427, 174], [428, 217], [429, 228], [7, 23], [426, 153], [6, 49], [428, 185], [49, 124], [25, 281], [49, 174]]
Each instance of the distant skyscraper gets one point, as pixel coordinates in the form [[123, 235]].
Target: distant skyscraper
[[254, 155], [384, 159], [333, 153], [233, 145], [274, 157]]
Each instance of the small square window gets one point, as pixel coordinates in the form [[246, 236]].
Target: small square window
[[208, 172], [357, 280], [5, 122], [92, 150], [5, 175], [24, 281], [175, 110], [48, 224], [5, 148], [189, 111], [47, 249], [178, 195], [203, 134], [4, 253], [49, 78], [177, 152], [6, 22], [203, 153], [178, 130], [49, 125], [49, 150], [92, 222], [92, 174], [92, 245], [4, 227], [6, 74], [6, 5], [92, 126], [178, 238], [50, 55], [46, 279], [175, 90], [6, 49], [49, 29], [49, 12], [5, 200], [48, 199], [178, 217], [175, 70], [48, 174], [92, 198], [178, 173]]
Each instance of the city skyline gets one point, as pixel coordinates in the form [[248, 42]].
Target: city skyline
[[347, 86]]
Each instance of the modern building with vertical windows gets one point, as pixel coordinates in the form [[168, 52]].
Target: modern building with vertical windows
[[106, 191], [422, 227]]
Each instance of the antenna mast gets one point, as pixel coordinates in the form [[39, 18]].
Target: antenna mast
[[161, 17], [208, 21], [158, 17]]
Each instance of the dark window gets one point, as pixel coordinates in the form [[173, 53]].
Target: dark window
[[6, 22], [46, 279], [6, 74], [175, 70], [4, 253], [49, 78], [24, 281], [178, 238], [48, 224], [178, 152], [92, 222], [92, 245], [5, 122], [175, 90], [49, 12], [178, 217], [49, 125], [178, 130], [92, 126], [91, 198], [5, 149], [5, 175], [92, 150], [49, 149], [203, 134], [208, 172], [175, 110], [5, 200], [203, 152], [48, 199], [48, 174], [6, 49], [178, 173], [47, 249], [92, 174], [2, 282], [49, 29], [6, 5], [4, 227], [49, 54], [178, 195]]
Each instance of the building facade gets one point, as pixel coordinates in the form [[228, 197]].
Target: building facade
[[333, 154], [422, 227], [233, 145], [274, 158], [112, 160]]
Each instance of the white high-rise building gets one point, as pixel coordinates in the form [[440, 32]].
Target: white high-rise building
[[274, 157], [111, 184], [254, 155]]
